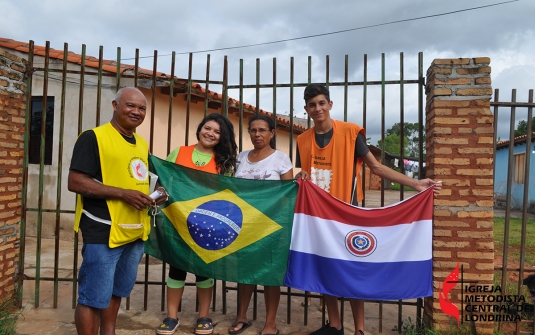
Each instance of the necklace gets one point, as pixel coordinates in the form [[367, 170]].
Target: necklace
[[198, 159]]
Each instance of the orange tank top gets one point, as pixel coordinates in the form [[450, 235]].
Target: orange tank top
[[331, 168], [185, 158]]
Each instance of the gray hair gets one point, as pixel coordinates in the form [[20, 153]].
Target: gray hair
[[120, 92]]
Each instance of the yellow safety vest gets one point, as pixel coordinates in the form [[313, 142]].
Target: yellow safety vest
[[123, 165]]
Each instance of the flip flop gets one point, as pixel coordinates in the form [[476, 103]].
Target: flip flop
[[244, 326]]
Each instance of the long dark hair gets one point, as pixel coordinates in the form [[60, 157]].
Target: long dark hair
[[226, 150], [269, 121]]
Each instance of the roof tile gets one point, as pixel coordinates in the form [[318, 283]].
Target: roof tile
[[111, 66]]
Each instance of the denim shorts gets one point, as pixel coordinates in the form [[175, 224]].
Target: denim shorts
[[107, 271]]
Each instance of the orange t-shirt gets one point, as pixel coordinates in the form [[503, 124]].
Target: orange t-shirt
[[332, 167], [185, 158]]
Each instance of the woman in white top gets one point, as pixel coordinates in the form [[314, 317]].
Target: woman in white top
[[263, 162]]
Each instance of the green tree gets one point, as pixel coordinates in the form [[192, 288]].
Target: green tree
[[410, 132], [522, 127], [392, 144]]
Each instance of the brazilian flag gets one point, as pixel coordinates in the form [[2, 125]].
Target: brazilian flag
[[223, 227]]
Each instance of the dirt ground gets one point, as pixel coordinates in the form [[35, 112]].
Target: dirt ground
[[139, 318]]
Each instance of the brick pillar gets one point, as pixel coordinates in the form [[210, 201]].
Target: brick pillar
[[12, 112], [460, 153]]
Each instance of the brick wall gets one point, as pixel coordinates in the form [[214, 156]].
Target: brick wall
[[12, 113], [460, 153]]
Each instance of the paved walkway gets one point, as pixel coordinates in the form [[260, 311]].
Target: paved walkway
[[140, 320]]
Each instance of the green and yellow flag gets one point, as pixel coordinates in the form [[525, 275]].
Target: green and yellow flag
[[222, 227]]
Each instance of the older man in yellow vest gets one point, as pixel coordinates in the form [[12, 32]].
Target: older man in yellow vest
[[331, 155], [109, 173]]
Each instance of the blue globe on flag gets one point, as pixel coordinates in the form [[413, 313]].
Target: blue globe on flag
[[215, 224]]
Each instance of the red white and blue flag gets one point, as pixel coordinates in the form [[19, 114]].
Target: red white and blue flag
[[363, 253]]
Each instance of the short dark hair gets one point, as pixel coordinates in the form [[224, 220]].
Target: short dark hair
[[314, 90], [269, 121]]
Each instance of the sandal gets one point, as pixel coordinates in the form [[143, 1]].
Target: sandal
[[244, 326], [204, 326], [168, 326]]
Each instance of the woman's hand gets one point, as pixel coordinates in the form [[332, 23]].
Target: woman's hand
[[303, 175]]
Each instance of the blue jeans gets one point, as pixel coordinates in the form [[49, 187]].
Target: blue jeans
[[107, 271]]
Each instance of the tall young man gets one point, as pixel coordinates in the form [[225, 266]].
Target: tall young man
[[330, 155]]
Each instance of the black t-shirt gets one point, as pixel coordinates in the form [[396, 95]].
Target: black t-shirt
[[361, 149], [86, 159]]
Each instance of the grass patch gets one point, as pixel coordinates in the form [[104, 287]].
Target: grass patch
[[8, 318], [396, 187], [515, 234]]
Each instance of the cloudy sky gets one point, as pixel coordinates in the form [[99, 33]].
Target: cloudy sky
[[501, 30]]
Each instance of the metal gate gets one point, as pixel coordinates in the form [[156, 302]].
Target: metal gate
[[71, 89], [514, 201]]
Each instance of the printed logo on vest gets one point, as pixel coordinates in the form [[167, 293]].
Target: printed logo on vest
[[138, 169], [361, 243], [322, 178]]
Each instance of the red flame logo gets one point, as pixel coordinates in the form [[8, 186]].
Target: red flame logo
[[446, 305]]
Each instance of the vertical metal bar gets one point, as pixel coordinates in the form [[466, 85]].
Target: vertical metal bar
[[25, 159], [99, 84], [525, 202], [153, 100], [421, 86], [224, 299], [60, 167], [151, 146], [305, 307], [364, 106], [44, 106], [380, 316], [80, 124], [188, 98], [346, 79], [496, 99], [292, 70], [274, 108], [289, 303], [136, 67], [240, 128], [400, 313], [171, 99], [118, 71], [509, 182], [402, 121], [169, 131], [257, 89], [255, 302], [309, 82], [225, 87], [207, 84], [383, 126]]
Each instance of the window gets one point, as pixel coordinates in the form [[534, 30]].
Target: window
[[36, 115], [518, 168]]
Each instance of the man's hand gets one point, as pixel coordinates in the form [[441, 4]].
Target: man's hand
[[163, 198], [136, 199], [425, 183]]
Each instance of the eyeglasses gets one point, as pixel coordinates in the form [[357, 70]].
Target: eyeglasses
[[260, 131]]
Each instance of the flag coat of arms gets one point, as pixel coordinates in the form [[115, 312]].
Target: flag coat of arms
[[363, 253], [223, 227]]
